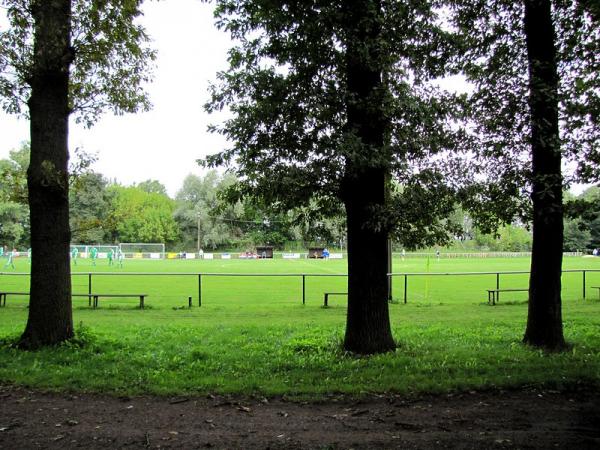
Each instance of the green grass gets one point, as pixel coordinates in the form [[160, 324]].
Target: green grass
[[253, 335]]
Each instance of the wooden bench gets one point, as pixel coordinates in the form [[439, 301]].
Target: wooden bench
[[5, 293], [327, 294], [92, 297], [96, 296], [494, 294]]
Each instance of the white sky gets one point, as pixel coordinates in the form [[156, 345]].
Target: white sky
[[164, 143]]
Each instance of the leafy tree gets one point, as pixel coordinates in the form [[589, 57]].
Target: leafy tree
[[584, 215], [196, 212], [139, 216], [14, 213], [60, 57], [14, 226], [153, 187], [330, 102], [531, 64], [13, 172], [90, 208], [577, 238]]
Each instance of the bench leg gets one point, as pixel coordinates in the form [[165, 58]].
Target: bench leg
[[325, 300], [141, 302]]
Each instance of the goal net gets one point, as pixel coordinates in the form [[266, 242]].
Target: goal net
[[143, 250]]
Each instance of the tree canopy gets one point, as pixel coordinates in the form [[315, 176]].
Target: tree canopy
[[112, 59]]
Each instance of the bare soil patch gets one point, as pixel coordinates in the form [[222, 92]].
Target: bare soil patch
[[523, 418]]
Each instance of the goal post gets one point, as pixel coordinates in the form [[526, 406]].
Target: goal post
[[146, 250]]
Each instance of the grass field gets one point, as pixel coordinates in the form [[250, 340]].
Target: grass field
[[254, 335]]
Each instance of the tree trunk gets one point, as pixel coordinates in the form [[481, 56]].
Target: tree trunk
[[544, 320], [364, 188], [50, 318]]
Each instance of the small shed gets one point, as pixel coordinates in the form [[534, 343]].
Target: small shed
[[264, 252], [315, 252]]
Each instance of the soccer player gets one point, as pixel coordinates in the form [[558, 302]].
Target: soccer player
[[29, 255], [74, 255], [94, 255], [10, 262], [111, 254], [120, 258]]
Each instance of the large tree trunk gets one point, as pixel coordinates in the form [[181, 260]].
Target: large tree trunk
[[544, 320], [50, 318], [365, 186]]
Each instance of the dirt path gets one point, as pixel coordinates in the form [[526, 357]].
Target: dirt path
[[526, 418]]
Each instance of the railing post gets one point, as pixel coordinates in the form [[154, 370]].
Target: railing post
[[497, 285], [199, 290], [303, 289], [405, 287], [584, 284], [89, 289]]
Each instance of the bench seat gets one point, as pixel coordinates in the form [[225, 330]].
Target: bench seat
[[327, 294], [493, 294], [93, 298]]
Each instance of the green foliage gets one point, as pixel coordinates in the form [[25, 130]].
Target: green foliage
[[152, 187], [140, 216], [197, 213], [494, 61], [13, 172], [111, 58], [509, 238], [89, 209], [14, 224], [577, 238], [14, 212], [583, 225], [287, 86]]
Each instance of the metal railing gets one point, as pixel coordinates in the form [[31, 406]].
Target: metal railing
[[303, 277]]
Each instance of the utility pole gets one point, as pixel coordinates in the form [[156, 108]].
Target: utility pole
[[198, 226]]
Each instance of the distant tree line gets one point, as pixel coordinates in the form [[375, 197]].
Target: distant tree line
[[102, 211]]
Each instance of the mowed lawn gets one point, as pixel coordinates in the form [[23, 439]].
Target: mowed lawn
[[253, 335]]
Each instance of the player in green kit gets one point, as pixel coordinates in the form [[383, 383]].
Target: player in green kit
[[110, 257], [9, 262], [74, 255], [93, 255]]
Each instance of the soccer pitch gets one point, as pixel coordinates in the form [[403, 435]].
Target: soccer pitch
[[280, 283], [253, 335]]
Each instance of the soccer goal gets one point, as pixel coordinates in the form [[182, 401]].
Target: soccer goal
[[143, 250]]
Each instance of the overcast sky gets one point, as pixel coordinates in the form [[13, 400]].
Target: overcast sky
[[164, 143]]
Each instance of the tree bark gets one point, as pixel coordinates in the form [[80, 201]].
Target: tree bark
[[50, 318], [544, 320], [364, 188]]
